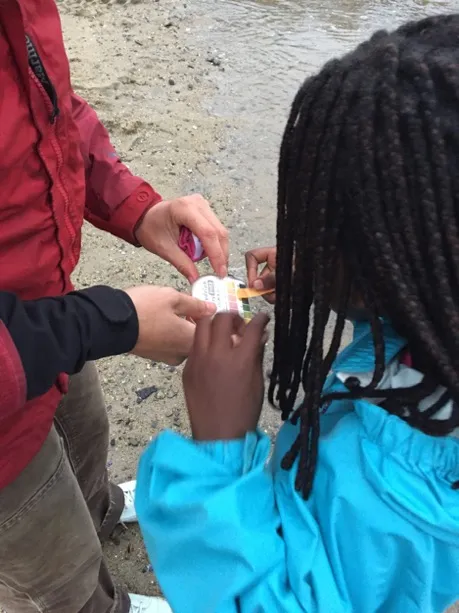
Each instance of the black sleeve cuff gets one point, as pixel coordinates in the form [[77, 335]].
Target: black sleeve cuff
[[111, 320], [55, 335]]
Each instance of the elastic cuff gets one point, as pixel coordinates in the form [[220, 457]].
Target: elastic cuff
[[117, 331], [240, 455]]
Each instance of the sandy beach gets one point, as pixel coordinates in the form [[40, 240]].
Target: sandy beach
[[145, 68], [135, 64]]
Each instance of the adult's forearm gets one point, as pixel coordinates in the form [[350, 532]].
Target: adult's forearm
[[42, 338]]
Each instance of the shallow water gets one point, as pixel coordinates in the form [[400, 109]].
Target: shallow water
[[267, 48]]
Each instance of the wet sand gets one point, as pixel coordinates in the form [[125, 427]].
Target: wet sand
[[136, 64]]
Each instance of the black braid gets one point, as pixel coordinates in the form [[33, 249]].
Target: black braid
[[368, 183]]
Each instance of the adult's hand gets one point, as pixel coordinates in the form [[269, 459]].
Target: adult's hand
[[266, 279], [159, 232], [164, 333]]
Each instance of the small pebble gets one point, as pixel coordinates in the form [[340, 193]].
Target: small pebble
[[215, 61], [145, 392]]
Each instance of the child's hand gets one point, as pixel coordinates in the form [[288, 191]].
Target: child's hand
[[223, 380], [267, 277]]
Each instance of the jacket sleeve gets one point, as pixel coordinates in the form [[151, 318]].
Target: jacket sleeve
[[116, 200], [209, 519], [39, 339]]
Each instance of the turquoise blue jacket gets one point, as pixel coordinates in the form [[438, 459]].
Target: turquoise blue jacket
[[226, 531]]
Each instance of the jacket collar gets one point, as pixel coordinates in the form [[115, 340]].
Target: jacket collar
[[359, 357]]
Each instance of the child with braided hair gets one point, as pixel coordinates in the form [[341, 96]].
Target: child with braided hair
[[357, 510]]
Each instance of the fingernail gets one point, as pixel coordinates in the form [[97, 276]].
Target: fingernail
[[258, 284], [211, 307], [223, 271]]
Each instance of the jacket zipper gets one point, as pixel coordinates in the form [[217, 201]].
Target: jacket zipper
[[58, 152], [39, 75], [39, 71]]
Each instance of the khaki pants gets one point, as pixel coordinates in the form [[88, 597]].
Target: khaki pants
[[53, 515]]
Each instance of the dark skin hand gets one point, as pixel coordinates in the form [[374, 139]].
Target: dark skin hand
[[266, 279], [223, 380]]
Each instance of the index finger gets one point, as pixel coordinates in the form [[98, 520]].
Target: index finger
[[202, 335], [253, 259], [222, 232], [255, 333], [224, 326], [201, 227]]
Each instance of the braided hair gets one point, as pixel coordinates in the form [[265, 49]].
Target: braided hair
[[369, 185]]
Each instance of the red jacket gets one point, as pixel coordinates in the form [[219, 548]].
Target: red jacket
[[57, 167]]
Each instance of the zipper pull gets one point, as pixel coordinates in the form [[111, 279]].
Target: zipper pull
[[55, 114]]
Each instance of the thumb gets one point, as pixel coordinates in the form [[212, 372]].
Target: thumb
[[175, 256], [267, 280], [193, 308]]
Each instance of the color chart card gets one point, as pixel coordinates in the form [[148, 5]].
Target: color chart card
[[223, 293]]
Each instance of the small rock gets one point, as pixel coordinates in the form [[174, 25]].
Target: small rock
[[215, 61], [113, 442], [133, 441], [168, 24], [171, 82], [160, 395], [145, 392]]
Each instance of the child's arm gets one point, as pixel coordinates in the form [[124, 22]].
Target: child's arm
[[207, 510], [211, 527]]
